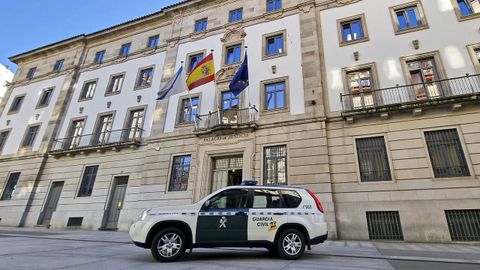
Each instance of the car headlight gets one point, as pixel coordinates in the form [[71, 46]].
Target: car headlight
[[144, 214]]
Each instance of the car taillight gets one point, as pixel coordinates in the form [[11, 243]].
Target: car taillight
[[317, 201]]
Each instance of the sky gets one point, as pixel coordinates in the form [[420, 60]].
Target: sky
[[30, 24]]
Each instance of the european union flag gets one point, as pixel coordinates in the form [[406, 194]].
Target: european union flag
[[240, 80]]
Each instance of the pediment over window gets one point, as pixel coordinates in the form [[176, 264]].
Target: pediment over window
[[233, 35]]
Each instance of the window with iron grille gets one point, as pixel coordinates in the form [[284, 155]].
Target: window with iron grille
[[373, 160], [10, 186], [464, 225], [30, 136], [446, 153], [384, 225], [180, 173], [3, 138], [275, 165], [88, 180]]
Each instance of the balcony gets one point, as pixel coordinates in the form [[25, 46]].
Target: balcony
[[453, 91], [226, 121], [97, 142]]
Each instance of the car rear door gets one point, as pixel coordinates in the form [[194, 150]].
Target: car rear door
[[223, 219]]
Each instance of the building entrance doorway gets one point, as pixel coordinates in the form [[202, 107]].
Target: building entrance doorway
[[227, 171]]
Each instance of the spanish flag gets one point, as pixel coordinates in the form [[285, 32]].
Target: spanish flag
[[203, 73]]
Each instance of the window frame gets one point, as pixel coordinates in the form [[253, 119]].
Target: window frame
[[130, 110], [226, 47], [363, 22], [388, 159], [179, 123], [97, 54], [150, 39], [275, 9], [80, 98], [472, 48], [2, 197], [440, 68], [459, 15], [188, 66], [139, 76], [419, 7], [31, 73], [80, 184], [264, 166], [265, 38], [463, 147], [25, 135], [263, 97], [231, 12], [128, 47], [8, 131], [171, 171], [11, 110], [58, 65], [203, 21], [377, 97], [39, 103], [96, 135], [110, 84]]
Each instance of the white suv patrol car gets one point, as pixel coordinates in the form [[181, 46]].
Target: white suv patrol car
[[284, 220]]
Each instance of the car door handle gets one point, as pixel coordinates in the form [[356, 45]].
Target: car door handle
[[240, 214], [279, 214]]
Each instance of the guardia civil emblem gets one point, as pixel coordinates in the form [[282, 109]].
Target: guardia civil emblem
[[223, 222]]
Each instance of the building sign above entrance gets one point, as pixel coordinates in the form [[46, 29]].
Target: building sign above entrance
[[223, 138]]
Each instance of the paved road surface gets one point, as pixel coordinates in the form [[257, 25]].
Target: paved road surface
[[55, 249]]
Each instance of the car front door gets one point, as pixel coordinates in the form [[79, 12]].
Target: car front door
[[223, 219]]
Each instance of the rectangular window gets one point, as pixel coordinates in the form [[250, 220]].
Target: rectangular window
[[115, 85], [193, 60], [408, 17], [30, 136], [10, 186], [275, 96], [103, 129], [45, 98], [464, 225], [31, 73], [58, 65], [468, 7], [384, 225], [373, 159], [274, 45], [446, 153], [16, 104], [235, 15], [153, 41], [74, 137], [352, 30], [125, 49], [99, 56], [134, 125], [273, 5], [424, 77], [180, 173], [477, 54], [275, 165], [88, 90], [233, 54], [88, 180], [3, 139], [360, 85], [201, 25], [145, 77], [189, 110]]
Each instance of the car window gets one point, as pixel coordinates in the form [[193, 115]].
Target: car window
[[291, 198], [264, 198], [230, 199]]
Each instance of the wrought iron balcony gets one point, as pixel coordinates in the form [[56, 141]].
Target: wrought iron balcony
[[453, 90], [227, 120], [112, 138]]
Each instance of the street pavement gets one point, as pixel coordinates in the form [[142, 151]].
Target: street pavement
[[40, 248]]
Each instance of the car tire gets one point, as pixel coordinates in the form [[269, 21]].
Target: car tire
[[169, 245], [291, 244]]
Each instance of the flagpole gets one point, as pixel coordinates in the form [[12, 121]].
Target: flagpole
[[191, 103], [216, 92]]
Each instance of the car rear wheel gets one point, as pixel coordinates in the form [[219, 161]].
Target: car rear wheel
[[291, 244], [168, 245]]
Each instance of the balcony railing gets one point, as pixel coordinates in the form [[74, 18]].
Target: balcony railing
[[232, 118], [398, 97], [98, 140]]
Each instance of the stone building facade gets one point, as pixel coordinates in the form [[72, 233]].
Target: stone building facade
[[380, 123]]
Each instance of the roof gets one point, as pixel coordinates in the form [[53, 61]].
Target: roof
[[83, 36]]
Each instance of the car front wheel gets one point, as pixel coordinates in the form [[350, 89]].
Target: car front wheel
[[291, 244], [168, 245]]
